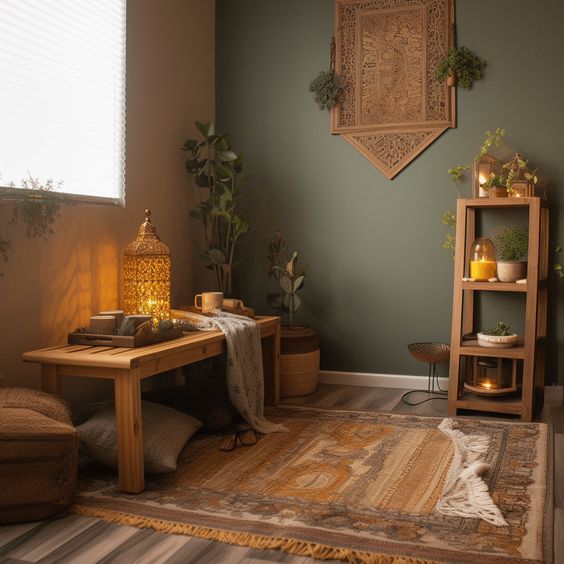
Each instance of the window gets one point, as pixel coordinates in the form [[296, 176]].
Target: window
[[62, 95]]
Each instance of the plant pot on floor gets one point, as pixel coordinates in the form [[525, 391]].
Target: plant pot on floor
[[299, 361], [511, 271]]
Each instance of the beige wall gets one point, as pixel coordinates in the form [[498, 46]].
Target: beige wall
[[52, 287]]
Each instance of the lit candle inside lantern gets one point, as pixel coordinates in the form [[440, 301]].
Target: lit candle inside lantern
[[482, 179], [487, 384], [482, 269]]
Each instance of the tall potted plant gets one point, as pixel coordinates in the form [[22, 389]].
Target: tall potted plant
[[217, 169], [299, 349]]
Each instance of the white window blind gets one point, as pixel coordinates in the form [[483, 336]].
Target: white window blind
[[62, 94]]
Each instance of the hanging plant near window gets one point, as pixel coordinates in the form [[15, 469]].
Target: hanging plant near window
[[461, 66], [328, 86], [37, 205]]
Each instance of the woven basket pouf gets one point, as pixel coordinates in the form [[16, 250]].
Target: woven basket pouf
[[38, 456]]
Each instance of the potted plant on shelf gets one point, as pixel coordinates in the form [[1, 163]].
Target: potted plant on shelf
[[299, 347], [498, 338], [512, 245], [496, 185]]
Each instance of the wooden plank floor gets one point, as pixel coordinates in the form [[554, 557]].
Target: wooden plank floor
[[84, 540]]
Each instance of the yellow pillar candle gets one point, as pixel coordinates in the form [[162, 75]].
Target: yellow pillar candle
[[482, 269]]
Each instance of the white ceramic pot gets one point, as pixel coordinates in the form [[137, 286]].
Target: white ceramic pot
[[511, 271], [497, 341]]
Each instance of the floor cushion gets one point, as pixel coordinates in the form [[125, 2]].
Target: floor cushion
[[38, 456], [165, 432]]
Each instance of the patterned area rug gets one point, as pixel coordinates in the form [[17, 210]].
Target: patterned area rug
[[347, 485]]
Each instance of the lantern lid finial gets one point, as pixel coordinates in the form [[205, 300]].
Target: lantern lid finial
[[147, 241]]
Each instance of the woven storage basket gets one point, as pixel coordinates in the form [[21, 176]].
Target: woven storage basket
[[299, 362]]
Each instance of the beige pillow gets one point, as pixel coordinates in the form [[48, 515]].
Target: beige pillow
[[165, 432]]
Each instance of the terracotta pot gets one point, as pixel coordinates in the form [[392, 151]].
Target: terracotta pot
[[299, 361], [511, 271], [451, 80], [497, 192]]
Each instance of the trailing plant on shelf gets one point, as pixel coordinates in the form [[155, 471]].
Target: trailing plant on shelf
[[463, 65], [36, 204], [283, 266], [217, 169], [457, 174], [512, 243], [328, 86], [494, 138]]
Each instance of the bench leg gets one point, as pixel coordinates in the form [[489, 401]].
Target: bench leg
[[129, 431], [271, 367], [50, 379]]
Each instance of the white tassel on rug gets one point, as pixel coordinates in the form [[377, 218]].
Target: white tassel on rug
[[465, 493]]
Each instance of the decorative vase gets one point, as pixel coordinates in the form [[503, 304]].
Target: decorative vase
[[511, 271], [299, 361], [497, 192]]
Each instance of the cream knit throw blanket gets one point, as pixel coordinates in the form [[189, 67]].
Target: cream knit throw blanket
[[245, 379]]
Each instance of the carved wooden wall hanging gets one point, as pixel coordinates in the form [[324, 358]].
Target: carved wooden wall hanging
[[387, 52]]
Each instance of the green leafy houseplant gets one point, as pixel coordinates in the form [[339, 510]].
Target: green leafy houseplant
[[217, 169], [463, 65], [283, 266], [512, 243], [36, 204], [328, 89]]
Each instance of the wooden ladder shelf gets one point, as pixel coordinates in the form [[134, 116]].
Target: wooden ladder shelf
[[531, 349]]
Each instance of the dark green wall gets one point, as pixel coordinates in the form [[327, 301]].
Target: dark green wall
[[377, 277]]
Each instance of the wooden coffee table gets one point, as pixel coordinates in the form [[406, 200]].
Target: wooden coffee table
[[127, 367]]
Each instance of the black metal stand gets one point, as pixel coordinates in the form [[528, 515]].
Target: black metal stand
[[430, 388]]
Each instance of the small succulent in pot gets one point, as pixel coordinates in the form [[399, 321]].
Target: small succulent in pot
[[499, 337], [512, 245]]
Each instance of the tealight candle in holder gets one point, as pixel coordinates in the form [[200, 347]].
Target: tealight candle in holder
[[482, 259]]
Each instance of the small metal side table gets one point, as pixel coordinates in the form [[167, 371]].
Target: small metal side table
[[432, 354]]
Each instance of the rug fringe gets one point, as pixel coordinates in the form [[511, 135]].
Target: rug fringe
[[465, 493], [291, 546]]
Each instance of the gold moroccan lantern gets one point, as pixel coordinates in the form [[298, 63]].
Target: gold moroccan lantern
[[146, 274]]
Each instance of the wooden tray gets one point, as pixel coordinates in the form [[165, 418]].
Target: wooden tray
[[95, 339]]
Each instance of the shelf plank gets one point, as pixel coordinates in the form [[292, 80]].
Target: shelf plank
[[471, 348], [495, 286], [492, 405], [502, 202]]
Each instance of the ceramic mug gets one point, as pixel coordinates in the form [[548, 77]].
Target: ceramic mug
[[208, 301]]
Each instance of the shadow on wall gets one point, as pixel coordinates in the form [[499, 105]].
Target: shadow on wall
[[83, 281]]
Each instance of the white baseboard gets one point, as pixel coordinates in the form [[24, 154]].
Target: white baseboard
[[378, 380]]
